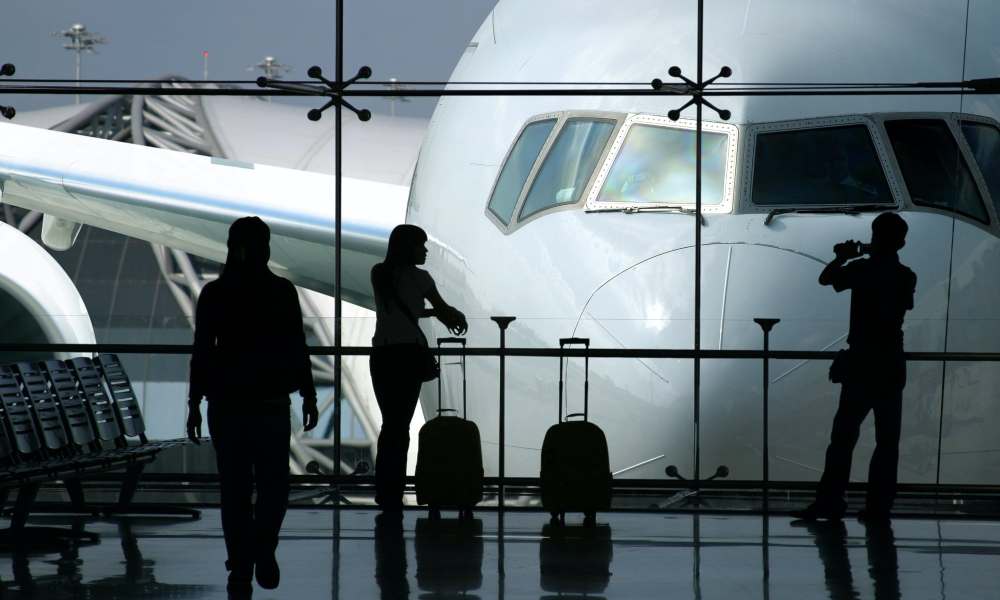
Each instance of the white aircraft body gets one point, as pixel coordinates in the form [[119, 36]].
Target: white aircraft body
[[573, 214]]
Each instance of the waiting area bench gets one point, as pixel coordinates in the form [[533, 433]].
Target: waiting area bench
[[61, 420]]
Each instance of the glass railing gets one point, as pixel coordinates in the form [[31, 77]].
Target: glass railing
[[643, 399]]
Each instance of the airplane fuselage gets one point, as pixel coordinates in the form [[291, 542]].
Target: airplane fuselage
[[626, 280]]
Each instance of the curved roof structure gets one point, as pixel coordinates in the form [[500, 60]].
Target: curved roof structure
[[383, 149]]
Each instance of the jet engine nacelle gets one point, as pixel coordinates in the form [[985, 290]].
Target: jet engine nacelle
[[38, 301]]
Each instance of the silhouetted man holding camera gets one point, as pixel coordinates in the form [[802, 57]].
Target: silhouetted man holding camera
[[872, 372]]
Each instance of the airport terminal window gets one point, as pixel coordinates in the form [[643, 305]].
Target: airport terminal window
[[985, 143], [656, 165], [933, 168], [827, 166], [568, 165], [517, 168]]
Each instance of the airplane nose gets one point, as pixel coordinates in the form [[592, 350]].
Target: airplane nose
[[651, 305]]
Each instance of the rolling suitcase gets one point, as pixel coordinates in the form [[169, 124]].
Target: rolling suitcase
[[576, 472], [449, 456]]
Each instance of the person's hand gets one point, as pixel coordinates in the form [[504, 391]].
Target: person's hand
[[310, 414], [455, 321], [847, 250], [194, 422]]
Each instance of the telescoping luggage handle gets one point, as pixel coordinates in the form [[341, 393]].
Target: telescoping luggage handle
[[574, 341], [461, 341]]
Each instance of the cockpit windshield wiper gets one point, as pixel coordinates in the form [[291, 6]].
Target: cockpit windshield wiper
[[847, 209], [632, 209]]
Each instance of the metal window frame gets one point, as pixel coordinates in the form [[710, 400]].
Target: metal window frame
[[492, 216], [728, 196], [992, 204], [951, 122], [876, 136], [516, 221], [615, 119]]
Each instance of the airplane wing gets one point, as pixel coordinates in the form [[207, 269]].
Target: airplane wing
[[187, 202]]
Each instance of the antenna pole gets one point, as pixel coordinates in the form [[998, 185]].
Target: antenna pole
[[80, 40], [272, 70], [77, 75]]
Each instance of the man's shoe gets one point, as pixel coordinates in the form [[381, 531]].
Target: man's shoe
[[240, 583], [817, 510], [268, 573]]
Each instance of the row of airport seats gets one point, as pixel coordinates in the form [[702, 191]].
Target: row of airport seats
[[61, 420]]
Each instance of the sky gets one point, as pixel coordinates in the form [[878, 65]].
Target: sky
[[405, 39]]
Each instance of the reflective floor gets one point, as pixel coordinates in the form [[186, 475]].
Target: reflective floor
[[353, 555]]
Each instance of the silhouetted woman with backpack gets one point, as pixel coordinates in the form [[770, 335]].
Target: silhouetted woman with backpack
[[401, 360]]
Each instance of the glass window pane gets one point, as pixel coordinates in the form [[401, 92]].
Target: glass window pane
[[985, 143], [657, 165], [569, 164], [933, 168], [832, 165], [515, 171]]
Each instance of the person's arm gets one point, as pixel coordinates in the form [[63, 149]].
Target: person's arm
[[831, 271], [911, 289], [201, 360], [307, 388], [204, 343], [450, 317], [835, 273]]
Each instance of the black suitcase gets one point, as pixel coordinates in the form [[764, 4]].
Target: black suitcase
[[576, 472], [449, 456]]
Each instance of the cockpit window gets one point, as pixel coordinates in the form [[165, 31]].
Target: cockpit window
[[517, 168], [985, 143], [825, 166], [568, 165], [933, 168], [656, 166]]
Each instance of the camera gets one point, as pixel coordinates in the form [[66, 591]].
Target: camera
[[852, 249]]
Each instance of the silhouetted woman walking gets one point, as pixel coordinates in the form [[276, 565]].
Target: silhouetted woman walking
[[249, 355], [400, 360]]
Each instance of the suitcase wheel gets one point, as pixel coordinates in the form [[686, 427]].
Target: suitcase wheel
[[590, 519], [558, 518], [465, 514], [434, 514]]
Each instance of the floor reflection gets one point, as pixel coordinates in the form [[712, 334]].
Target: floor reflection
[[449, 557], [883, 563], [575, 560], [328, 554], [390, 557], [830, 538], [138, 579], [64, 552]]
